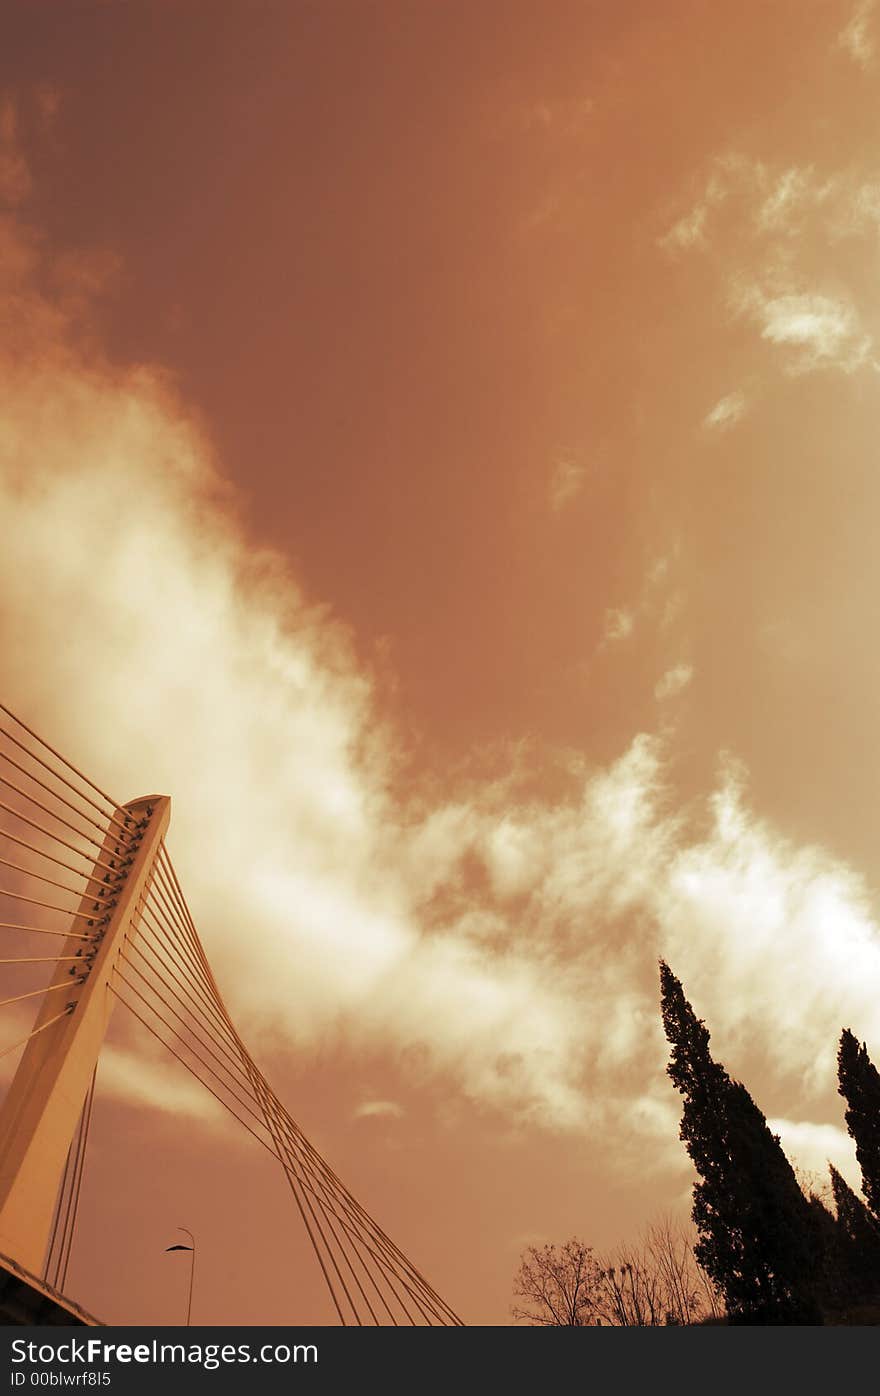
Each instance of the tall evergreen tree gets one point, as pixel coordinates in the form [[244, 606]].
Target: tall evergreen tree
[[756, 1237], [859, 1240], [859, 1084], [830, 1257]]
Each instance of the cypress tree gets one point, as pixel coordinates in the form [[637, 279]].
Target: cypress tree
[[830, 1257], [755, 1231], [859, 1084], [859, 1240]]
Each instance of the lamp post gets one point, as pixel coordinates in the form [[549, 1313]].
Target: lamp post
[[192, 1266]]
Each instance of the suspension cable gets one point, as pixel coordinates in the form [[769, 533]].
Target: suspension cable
[[32, 993], [32, 800], [42, 1028], [394, 1255], [41, 877], [56, 1218], [63, 759], [162, 950], [62, 799], [40, 960], [87, 857], [42, 931], [272, 1109], [258, 1084], [78, 1177], [80, 794], [87, 877], [47, 906]]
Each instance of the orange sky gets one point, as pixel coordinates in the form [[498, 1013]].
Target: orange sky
[[437, 449]]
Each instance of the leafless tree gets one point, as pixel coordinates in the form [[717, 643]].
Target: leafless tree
[[688, 1294], [657, 1281], [630, 1294], [813, 1184], [559, 1284]]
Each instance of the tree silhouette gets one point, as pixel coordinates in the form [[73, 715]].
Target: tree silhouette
[[859, 1084], [756, 1241], [559, 1283], [652, 1283], [859, 1240], [655, 1281]]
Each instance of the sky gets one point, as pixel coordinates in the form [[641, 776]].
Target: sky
[[437, 448]]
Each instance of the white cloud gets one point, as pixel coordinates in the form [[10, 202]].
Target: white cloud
[[770, 937], [823, 330], [764, 256], [857, 215], [133, 1077], [790, 191], [218, 682], [673, 682], [378, 1109], [814, 1146], [776, 944], [689, 231], [787, 199], [655, 603], [817, 321], [165, 652], [856, 38], [774, 214], [619, 623], [726, 413]]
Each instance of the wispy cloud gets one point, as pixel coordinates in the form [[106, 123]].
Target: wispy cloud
[[619, 624], [822, 330], [792, 936], [856, 37], [726, 413], [660, 603], [690, 230], [673, 682], [511, 939], [132, 1077], [378, 1109], [790, 192], [763, 253], [770, 206]]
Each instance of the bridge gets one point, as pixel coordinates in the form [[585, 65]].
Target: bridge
[[93, 917]]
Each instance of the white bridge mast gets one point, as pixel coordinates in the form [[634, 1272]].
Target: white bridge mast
[[43, 1104]]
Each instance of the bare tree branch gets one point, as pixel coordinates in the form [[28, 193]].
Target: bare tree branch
[[655, 1282], [559, 1285]]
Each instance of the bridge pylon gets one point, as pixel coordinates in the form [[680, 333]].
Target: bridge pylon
[[42, 1107]]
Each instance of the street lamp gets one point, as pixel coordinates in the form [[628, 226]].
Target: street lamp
[[192, 1266]]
